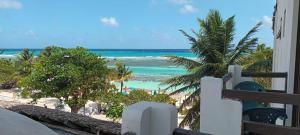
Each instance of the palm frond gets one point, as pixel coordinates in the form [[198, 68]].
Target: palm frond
[[195, 96], [190, 38], [191, 116], [245, 45], [184, 80], [187, 63], [188, 79], [228, 35], [264, 65], [186, 88]]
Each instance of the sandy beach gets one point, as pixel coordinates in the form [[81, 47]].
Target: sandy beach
[[13, 96]]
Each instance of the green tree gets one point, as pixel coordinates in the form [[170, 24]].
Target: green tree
[[117, 101], [163, 98], [24, 62], [260, 61], [115, 105], [74, 75], [214, 47], [46, 52], [7, 70], [122, 74], [25, 55], [137, 96]]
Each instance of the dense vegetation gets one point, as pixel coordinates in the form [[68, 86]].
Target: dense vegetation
[[214, 47], [74, 76], [116, 102]]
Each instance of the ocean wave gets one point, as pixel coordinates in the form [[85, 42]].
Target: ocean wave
[[115, 57], [8, 56], [141, 58]]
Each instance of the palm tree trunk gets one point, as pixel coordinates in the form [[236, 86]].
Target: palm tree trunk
[[121, 86]]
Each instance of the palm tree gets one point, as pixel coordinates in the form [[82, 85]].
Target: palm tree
[[123, 74], [25, 55], [25, 59], [46, 52], [215, 51], [260, 61]]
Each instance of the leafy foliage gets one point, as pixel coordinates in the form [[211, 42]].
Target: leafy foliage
[[163, 98], [7, 70], [115, 105], [260, 61], [137, 96], [24, 62], [74, 75], [117, 101], [214, 47]]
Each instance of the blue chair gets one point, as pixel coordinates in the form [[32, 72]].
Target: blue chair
[[250, 86], [259, 112]]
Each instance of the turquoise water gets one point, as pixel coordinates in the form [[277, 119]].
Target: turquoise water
[[123, 52], [149, 67]]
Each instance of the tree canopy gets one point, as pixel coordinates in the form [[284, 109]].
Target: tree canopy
[[74, 75]]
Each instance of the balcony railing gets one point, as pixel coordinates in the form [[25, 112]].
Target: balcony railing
[[270, 96]]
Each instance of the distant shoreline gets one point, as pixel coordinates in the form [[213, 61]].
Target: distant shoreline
[[150, 67], [188, 50]]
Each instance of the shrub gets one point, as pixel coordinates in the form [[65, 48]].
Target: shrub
[[74, 75]]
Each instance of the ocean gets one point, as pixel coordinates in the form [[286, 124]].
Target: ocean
[[149, 66]]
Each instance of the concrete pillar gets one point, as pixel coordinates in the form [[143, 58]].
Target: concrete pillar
[[149, 118], [218, 116], [236, 72]]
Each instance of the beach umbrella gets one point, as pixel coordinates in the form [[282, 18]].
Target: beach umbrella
[[126, 89]]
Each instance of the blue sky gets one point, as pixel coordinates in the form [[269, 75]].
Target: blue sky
[[121, 24]]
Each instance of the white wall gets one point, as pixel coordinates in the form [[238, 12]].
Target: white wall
[[149, 118], [218, 116], [285, 45]]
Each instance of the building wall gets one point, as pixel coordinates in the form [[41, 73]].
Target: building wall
[[285, 37]]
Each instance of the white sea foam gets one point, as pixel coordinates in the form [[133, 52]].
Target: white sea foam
[[8, 56]]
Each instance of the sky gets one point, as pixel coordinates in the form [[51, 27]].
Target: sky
[[122, 24]]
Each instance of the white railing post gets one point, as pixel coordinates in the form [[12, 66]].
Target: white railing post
[[236, 72], [218, 116], [149, 118]]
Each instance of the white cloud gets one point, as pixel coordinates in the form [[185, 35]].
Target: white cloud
[[109, 21], [31, 34], [10, 4], [188, 9], [267, 20], [181, 2]]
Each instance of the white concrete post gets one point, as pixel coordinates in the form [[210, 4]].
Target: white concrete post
[[218, 116], [236, 72], [149, 118]]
